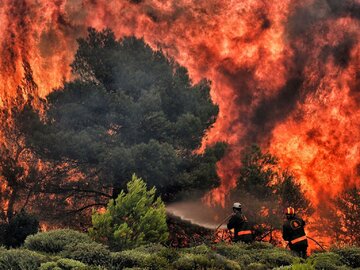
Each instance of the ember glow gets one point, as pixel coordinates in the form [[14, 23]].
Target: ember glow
[[285, 74]]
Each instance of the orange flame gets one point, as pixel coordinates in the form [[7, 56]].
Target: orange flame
[[285, 74]]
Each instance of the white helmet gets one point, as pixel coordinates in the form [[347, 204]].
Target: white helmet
[[237, 206]]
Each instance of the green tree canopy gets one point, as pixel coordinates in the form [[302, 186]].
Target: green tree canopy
[[129, 110], [133, 219]]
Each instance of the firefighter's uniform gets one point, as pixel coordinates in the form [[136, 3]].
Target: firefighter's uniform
[[240, 228], [294, 233]]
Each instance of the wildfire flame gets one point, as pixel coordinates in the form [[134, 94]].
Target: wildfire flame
[[285, 74]]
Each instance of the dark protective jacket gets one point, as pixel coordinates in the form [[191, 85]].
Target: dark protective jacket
[[294, 233], [240, 227]]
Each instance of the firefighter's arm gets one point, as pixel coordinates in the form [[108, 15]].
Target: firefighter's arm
[[230, 224], [303, 222], [285, 233]]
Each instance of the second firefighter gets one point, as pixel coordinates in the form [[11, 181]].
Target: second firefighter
[[239, 226]]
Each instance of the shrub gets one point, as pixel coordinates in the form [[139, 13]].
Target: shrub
[[256, 266], [20, 259], [327, 261], [49, 266], [274, 257], [152, 256], [220, 262], [155, 262], [259, 245], [170, 254], [55, 241], [18, 228], [297, 266], [133, 259], [65, 264], [232, 251], [237, 251], [205, 261], [128, 259], [192, 261], [3, 227], [349, 256], [151, 248], [201, 249], [245, 260], [88, 253], [69, 264], [133, 219]]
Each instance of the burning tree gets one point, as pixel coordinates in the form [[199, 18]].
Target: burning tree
[[24, 177], [285, 72], [130, 110], [266, 189], [344, 220]]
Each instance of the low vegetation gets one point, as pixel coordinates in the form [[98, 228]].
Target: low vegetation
[[135, 218], [75, 250]]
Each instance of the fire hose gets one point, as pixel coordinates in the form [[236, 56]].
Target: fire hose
[[312, 239], [226, 218], [266, 234], [316, 242], [222, 222]]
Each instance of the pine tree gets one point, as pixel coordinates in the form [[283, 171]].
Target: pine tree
[[134, 218], [347, 212]]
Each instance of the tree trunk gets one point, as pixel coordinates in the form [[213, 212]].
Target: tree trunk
[[11, 205], [116, 191]]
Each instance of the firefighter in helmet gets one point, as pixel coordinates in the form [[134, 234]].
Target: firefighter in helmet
[[239, 226], [294, 233]]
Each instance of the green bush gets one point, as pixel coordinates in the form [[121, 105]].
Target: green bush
[[232, 251], [128, 259], [274, 257], [325, 261], [49, 266], [151, 248], [131, 259], [259, 245], [69, 264], [18, 228], [237, 251], [135, 218], [170, 254], [297, 266], [349, 256], [244, 260], [20, 259], [256, 254], [192, 262], [201, 249], [221, 262], [205, 261], [155, 262], [65, 264], [256, 266], [55, 241], [88, 253]]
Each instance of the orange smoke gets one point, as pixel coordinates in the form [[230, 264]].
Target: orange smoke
[[284, 74]]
